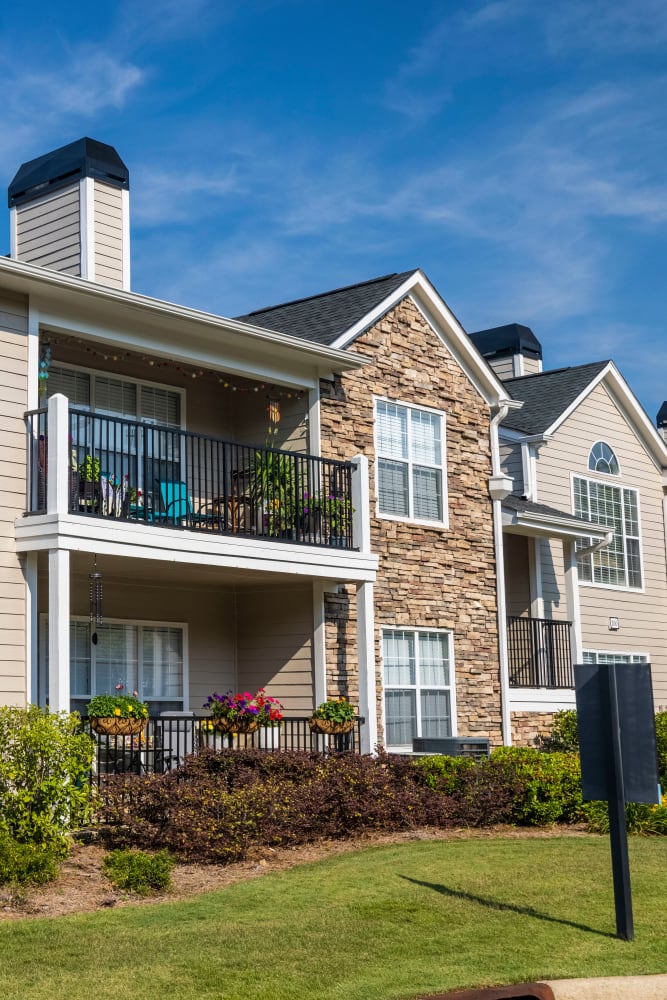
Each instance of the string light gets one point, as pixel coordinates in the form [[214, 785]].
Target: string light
[[186, 371]]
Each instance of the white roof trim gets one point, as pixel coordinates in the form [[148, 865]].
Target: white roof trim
[[550, 525], [32, 279], [629, 405], [443, 321]]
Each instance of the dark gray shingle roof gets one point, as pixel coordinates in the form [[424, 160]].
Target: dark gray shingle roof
[[323, 318], [547, 395]]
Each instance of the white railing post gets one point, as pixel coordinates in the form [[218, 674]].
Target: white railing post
[[58, 456], [361, 518], [367, 678]]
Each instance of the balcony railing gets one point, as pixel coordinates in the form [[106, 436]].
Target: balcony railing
[[168, 739], [539, 653], [166, 477]]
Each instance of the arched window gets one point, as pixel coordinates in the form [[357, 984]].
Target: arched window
[[602, 459]]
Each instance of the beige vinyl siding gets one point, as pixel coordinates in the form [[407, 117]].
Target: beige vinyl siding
[[642, 613], [531, 366], [517, 574], [512, 465], [48, 231], [129, 595], [503, 367], [274, 645], [13, 404], [108, 234]]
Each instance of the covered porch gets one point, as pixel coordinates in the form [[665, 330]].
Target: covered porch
[[543, 624]]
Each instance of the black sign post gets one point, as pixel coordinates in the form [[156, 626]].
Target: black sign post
[[618, 757]]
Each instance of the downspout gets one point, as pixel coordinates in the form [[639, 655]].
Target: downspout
[[500, 486]]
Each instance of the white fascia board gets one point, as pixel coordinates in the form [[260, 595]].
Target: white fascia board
[[116, 310], [544, 526], [136, 541], [445, 324], [510, 435], [629, 406]]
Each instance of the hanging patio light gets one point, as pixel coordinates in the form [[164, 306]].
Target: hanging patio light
[[95, 599]]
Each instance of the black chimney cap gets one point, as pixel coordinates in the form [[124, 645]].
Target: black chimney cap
[[510, 339], [83, 158]]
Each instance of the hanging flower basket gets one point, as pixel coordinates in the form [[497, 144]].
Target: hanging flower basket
[[328, 728], [113, 726], [243, 724]]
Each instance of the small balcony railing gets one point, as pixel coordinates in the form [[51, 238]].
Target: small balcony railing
[[539, 653], [167, 740], [166, 477]]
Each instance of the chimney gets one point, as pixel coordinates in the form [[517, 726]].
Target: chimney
[[661, 421], [511, 350], [70, 211]]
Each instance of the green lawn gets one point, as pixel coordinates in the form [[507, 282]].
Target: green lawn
[[374, 924]]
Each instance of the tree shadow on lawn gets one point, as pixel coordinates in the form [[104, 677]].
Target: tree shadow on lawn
[[493, 904]]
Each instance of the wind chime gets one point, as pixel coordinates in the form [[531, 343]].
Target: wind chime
[[95, 609]]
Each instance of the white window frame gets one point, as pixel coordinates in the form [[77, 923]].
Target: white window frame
[[601, 472], [612, 481], [442, 467], [593, 656], [138, 382], [417, 686], [137, 622]]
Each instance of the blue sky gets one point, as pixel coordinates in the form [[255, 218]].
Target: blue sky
[[513, 150]]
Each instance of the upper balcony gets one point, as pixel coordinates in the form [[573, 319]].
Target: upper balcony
[[172, 489]]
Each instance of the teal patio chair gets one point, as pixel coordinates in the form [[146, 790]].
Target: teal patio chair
[[177, 507]]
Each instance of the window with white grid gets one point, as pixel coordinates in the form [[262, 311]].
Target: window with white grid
[[619, 563], [598, 656], [418, 685], [410, 444], [147, 658]]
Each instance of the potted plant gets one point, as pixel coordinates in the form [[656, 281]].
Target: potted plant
[[243, 713], [333, 717], [89, 471], [117, 714], [272, 489]]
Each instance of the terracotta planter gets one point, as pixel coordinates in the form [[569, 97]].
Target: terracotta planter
[[245, 724], [114, 726], [328, 728]]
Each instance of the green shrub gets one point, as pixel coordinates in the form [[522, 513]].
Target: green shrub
[[639, 818], [551, 785], [21, 864], [44, 766], [564, 736], [444, 774], [138, 871]]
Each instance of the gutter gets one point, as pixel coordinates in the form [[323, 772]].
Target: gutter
[[500, 486]]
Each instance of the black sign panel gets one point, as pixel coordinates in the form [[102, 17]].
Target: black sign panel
[[593, 686]]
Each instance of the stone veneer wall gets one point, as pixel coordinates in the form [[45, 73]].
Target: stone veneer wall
[[529, 727], [428, 577]]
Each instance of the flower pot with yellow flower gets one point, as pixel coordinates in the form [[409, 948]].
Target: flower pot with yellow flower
[[333, 717], [117, 714]]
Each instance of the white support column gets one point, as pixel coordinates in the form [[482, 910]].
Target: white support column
[[319, 645], [314, 421], [31, 651], [572, 598], [361, 518], [125, 212], [367, 678], [59, 630], [57, 495]]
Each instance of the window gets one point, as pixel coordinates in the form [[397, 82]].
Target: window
[[410, 448], [123, 449], [142, 657], [597, 656], [602, 459], [418, 685], [615, 507]]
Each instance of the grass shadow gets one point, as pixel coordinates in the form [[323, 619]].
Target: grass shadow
[[493, 904]]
